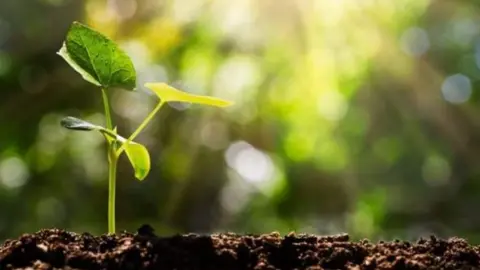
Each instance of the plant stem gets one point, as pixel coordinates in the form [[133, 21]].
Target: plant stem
[[141, 127], [112, 166], [106, 105], [112, 174]]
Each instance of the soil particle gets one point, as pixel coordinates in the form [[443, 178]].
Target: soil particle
[[59, 249]]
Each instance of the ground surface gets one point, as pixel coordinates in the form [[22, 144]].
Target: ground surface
[[58, 249]]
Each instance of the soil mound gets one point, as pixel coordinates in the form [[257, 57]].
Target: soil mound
[[59, 249]]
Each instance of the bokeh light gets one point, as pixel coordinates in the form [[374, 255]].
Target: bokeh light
[[13, 172], [457, 88]]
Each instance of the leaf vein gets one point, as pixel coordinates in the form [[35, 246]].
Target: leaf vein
[[91, 61]]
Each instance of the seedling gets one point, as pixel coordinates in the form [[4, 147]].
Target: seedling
[[103, 63]]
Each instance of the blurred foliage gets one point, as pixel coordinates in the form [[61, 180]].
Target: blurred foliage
[[349, 116]]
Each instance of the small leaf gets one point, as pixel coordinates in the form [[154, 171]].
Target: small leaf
[[139, 158], [77, 124], [167, 93], [98, 59]]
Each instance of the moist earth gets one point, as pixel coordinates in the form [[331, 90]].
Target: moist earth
[[59, 249]]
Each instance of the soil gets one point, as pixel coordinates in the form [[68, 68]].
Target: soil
[[59, 249]]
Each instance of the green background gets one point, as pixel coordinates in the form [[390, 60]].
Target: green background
[[349, 116]]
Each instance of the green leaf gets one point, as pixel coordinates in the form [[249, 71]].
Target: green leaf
[[77, 124], [99, 60], [167, 93], [139, 158], [74, 123]]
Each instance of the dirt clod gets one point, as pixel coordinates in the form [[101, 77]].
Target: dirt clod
[[59, 249]]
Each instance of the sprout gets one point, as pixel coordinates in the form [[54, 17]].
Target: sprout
[[101, 62]]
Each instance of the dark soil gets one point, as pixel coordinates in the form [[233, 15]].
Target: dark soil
[[58, 249]]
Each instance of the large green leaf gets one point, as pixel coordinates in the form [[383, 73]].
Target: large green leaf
[[137, 154], [167, 93], [98, 59]]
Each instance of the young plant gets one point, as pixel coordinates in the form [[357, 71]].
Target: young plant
[[103, 63]]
